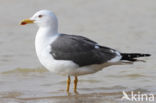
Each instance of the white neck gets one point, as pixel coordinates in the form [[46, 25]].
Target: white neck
[[47, 31], [44, 37]]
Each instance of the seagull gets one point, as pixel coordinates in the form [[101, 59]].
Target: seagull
[[71, 55]]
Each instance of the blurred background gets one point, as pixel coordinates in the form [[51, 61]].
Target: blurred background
[[125, 25]]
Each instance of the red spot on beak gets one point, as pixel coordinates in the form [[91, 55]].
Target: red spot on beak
[[23, 23]]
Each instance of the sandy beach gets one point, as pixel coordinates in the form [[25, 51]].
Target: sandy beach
[[125, 25]]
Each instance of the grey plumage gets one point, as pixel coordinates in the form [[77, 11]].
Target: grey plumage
[[80, 50]]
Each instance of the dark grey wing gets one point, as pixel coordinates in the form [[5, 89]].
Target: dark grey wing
[[80, 50]]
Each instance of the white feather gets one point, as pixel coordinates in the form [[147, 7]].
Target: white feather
[[117, 58], [46, 35]]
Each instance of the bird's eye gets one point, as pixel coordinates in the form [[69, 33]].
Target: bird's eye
[[40, 16]]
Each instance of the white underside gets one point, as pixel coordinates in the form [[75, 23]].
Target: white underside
[[66, 67], [63, 67]]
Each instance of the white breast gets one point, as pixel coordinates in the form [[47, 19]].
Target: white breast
[[43, 47], [43, 41]]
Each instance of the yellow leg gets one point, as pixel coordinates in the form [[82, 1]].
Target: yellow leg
[[75, 84], [68, 84]]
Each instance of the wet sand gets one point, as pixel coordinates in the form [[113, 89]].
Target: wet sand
[[128, 26]]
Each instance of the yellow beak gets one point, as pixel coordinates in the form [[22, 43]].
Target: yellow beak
[[26, 21]]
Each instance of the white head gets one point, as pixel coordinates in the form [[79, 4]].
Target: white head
[[43, 18]]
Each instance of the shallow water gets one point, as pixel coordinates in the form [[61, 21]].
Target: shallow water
[[128, 26]]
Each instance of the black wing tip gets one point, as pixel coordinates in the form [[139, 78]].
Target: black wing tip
[[147, 55], [133, 56]]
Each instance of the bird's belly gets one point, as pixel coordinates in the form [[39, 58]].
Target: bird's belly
[[66, 67], [63, 67]]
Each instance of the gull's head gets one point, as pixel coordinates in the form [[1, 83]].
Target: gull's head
[[43, 18]]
